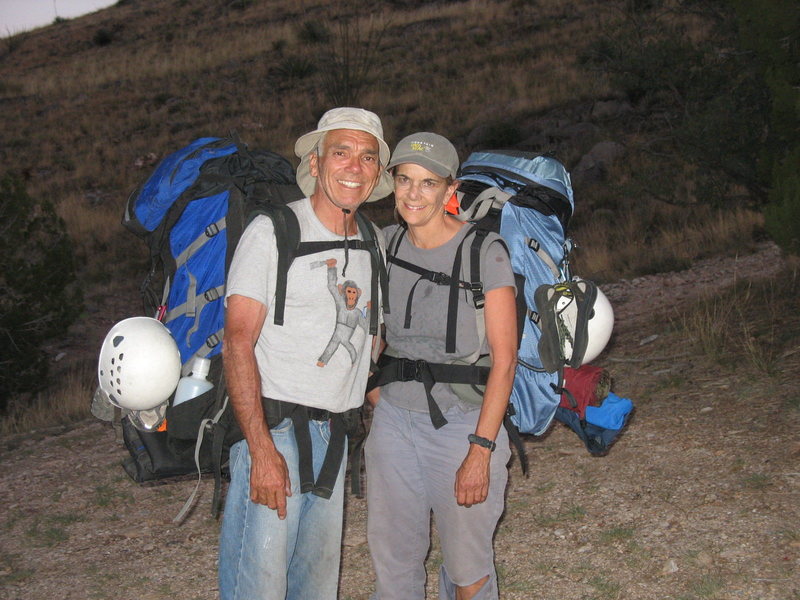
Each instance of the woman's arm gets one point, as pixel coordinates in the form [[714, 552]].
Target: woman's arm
[[472, 478]]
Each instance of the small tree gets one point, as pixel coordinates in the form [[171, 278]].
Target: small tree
[[352, 59], [771, 29], [39, 296]]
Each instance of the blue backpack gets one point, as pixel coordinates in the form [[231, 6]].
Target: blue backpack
[[191, 212], [528, 199]]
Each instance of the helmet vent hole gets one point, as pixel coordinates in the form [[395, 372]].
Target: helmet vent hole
[[118, 339], [102, 374], [121, 355]]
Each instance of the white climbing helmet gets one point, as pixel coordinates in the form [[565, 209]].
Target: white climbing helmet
[[599, 327], [139, 365]]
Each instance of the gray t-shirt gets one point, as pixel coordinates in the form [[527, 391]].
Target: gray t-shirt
[[320, 356], [425, 337]]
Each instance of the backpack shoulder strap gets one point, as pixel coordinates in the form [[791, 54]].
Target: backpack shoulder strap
[[452, 280], [380, 278], [287, 240]]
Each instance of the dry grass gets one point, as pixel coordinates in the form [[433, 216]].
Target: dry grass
[[751, 325], [657, 238], [67, 401]]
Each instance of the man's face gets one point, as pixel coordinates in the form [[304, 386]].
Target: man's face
[[351, 296], [348, 167]]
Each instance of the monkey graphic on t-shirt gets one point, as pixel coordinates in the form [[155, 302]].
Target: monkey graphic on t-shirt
[[348, 315]]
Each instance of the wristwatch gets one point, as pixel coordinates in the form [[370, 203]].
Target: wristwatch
[[481, 441]]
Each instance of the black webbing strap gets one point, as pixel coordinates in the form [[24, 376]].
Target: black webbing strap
[[277, 410], [220, 435], [379, 275], [302, 436], [406, 369], [287, 236], [216, 454], [287, 239], [326, 480], [425, 376], [356, 454], [475, 264], [452, 280], [515, 438]]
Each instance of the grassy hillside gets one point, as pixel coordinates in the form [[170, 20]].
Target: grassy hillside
[[90, 105]]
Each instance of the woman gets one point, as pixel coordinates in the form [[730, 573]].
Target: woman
[[430, 448]]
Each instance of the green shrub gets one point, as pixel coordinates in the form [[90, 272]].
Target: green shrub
[[782, 214], [293, 68], [313, 32], [40, 297], [102, 37]]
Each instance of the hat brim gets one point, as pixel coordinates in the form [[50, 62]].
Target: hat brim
[[424, 162], [308, 142], [308, 182]]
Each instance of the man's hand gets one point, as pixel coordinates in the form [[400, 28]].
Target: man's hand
[[269, 481], [472, 477]]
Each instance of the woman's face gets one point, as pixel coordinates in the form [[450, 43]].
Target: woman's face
[[420, 195]]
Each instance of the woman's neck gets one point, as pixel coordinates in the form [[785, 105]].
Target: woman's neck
[[434, 233]]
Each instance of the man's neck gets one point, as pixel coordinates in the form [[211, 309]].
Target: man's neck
[[339, 221]]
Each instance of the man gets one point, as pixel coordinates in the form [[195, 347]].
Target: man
[[282, 527]]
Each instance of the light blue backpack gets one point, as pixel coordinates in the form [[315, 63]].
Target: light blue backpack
[[528, 199]]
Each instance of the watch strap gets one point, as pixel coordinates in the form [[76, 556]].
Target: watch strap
[[481, 441]]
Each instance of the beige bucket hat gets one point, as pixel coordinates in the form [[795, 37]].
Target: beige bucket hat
[[343, 118]]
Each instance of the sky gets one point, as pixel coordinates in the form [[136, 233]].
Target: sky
[[22, 15]]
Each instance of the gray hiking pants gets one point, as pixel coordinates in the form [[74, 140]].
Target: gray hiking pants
[[411, 470]]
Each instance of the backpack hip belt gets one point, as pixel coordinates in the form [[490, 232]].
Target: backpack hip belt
[[392, 368]]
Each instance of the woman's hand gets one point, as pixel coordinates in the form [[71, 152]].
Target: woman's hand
[[472, 477]]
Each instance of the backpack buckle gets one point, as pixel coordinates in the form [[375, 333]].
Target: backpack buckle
[[409, 369], [212, 341], [477, 293], [212, 230], [438, 278], [211, 295]]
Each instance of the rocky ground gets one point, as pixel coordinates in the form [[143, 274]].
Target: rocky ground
[[700, 498]]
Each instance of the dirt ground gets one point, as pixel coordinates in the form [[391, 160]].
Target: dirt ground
[[700, 497]]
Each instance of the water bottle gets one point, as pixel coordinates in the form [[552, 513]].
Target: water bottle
[[195, 383]]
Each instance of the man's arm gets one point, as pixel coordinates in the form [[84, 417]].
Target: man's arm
[[269, 476], [472, 478]]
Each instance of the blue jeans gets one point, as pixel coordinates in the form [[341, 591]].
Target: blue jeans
[[263, 557]]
